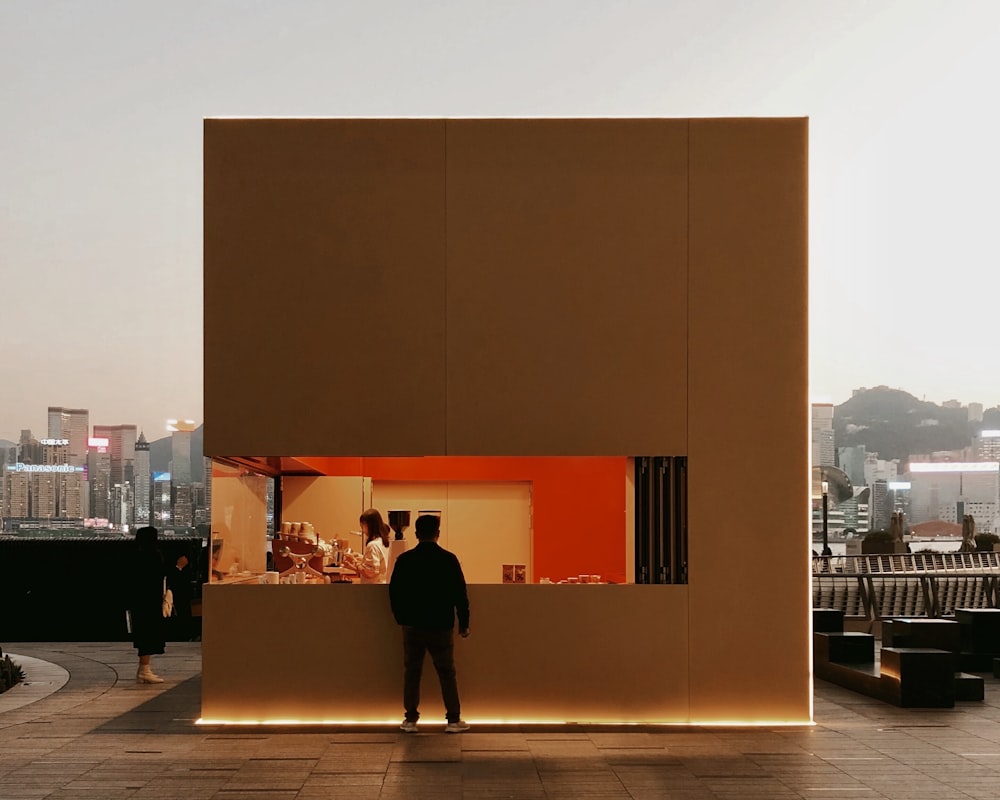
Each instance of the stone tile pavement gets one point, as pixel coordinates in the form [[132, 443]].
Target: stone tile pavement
[[82, 728]]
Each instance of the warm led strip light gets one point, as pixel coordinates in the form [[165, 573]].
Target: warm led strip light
[[393, 722]]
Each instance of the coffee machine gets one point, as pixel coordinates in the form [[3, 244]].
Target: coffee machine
[[399, 521]]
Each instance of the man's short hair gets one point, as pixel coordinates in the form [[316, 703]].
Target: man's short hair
[[428, 526]]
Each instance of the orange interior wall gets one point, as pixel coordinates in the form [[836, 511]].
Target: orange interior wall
[[578, 503]]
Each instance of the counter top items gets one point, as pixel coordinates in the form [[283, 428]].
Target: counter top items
[[304, 562]]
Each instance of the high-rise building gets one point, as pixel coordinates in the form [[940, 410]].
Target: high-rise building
[[986, 445], [975, 412], [206, 466], [29, 449], [120, 505], [44, 495], [852, 461], [948, 490], [141, 493], [72, 495], [17, 493], [72, 424], [881, 506], [55, 451], [160, 507], [877, 469], [99, 478], [121, 442], [823, 450], [180, 450], [183, 506], [121, 447]]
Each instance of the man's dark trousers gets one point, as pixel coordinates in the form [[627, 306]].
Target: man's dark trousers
[[441, 645]]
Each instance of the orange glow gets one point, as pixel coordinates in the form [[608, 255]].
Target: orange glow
[[578, 503], [520, 722]]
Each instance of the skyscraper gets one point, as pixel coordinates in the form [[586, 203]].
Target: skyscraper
[[823, 451], [99, 477], [72, 424], [29, 449], [121, 447], [987, 445], [121, 475], [17, 493], [160, 508], [180, 450], [142, 488]]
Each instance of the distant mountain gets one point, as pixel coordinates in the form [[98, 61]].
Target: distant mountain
[[159, 454], [895, 424]]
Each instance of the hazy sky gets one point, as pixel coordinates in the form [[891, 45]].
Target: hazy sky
[[101, 107]]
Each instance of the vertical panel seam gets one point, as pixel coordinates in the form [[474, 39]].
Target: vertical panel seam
[[687, 392], [447, 306]]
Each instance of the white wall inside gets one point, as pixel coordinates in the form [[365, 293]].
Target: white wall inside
[[485, 524]]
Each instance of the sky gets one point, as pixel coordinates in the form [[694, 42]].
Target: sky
[[101, 108]]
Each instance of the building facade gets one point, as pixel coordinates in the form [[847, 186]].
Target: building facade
[[142, 482], [823, 445], [948, 490], [590, 291], [72, 424]]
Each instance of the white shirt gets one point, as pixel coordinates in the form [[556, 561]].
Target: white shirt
[[374, 565]]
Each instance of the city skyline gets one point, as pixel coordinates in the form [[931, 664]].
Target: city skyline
[[100, 161]]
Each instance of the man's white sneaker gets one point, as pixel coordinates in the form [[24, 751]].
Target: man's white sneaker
[[457, 726], [408, 726]]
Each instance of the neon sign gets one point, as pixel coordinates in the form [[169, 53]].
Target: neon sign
[[54, 442], [19, 467], [98, 441]]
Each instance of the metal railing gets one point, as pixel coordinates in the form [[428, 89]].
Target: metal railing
[[907, 563], [874, 587]]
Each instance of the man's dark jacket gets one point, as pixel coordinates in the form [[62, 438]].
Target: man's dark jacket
[[427, 589]]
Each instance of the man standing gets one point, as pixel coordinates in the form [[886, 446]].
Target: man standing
[[427, 590]]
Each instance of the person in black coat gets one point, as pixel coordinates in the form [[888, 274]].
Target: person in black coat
[[146, 602], [427, 591]]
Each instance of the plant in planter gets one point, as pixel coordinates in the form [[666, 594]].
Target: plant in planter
[[10, 674], [985, 542]]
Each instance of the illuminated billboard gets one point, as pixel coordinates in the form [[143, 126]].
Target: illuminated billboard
[[160, 477], [98, 441], [19, 467], [954, 466]]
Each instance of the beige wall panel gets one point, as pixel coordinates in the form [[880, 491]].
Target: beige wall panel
[[322, 240], [486, 524], [567, 286], [749, 543], [333, 505], [239, 520], [537, 653]]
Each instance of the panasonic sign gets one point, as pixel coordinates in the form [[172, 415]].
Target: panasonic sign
[[19, 467]]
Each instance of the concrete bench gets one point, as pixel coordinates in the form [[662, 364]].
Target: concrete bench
[[844, 648], [918, 677], [828, 620], [940, 634], [980, 637]]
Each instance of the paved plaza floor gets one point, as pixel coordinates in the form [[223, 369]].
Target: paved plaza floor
[[83, 728]]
